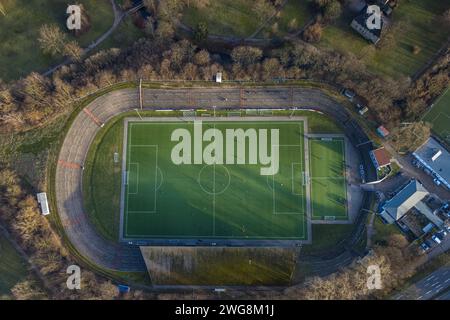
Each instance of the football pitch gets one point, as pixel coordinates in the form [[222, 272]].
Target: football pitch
[[439, 117], [164, 199], [327, 178]]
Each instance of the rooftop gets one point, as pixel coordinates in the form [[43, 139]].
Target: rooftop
[[362, 19], [382, 156], [406, 199], [436, 157], [383, 131]]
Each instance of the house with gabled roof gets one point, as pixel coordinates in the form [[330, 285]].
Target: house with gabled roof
[[407, 198], [361, 24]]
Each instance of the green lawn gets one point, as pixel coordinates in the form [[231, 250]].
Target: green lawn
[[419, 28], [225, 17], [220, 266], [12, 267], [383, 231], [327, 236], [439, 117], [225, 200], [125, 35], [327, 176], [237, 18], [19, 47], [293, 16]]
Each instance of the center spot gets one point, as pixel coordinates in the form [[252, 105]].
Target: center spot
[[214, 179]]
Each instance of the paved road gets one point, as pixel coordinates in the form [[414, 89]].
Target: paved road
[[405, 162], [428, 287], [119, 256]]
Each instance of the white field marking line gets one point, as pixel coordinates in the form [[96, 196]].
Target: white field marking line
[[342, 141], [172, 236], [327, 178], [435, 103], [236, 121], [337, 139], [214, 190], [445, 134], [274, 211], [125, 209], [156, 178], [214, 209], [344, 164], [293, 178], [162, 177], [137, 177], [440, 114]]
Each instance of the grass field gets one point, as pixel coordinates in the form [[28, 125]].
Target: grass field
[[220, 266], [12, 267], [419, 28], [19, 48], [439, 117], [292, 17], [226, 17], [237, 18], [327, 176], [232, 201]]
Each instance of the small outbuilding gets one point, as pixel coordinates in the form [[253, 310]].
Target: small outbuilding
[[219, 77], [382, 131], [42, 200], [380, 158]]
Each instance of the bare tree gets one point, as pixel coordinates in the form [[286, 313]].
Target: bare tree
[[51, 39]]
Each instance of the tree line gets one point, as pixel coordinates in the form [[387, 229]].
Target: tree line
[[19, 211], [35, 98]]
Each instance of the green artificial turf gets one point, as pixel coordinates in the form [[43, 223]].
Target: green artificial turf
[[439, 117], [232, 201], [327, 178]]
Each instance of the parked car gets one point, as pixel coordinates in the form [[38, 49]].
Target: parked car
[[349, 94], [424, 247], [436, 239], [443, 234], [363, 110]]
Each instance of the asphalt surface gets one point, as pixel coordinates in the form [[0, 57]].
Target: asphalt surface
[[405, 162], [429, 287], [123, 257]]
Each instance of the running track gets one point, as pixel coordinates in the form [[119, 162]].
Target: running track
[[120, 256]]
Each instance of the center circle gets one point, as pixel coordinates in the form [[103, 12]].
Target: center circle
[[214, 179]]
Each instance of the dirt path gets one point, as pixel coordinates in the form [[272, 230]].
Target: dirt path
[[119, 15]]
